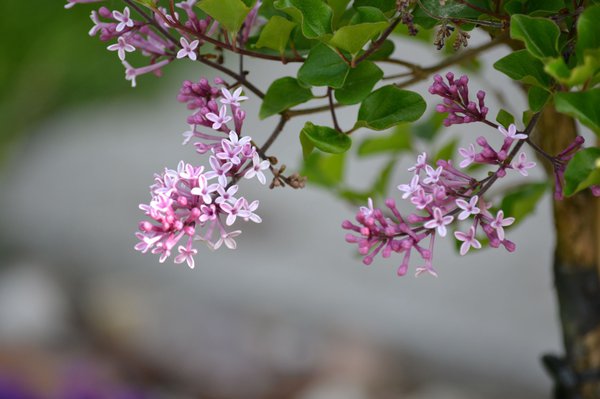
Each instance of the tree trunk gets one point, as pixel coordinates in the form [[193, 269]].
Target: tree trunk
[[576, 274]]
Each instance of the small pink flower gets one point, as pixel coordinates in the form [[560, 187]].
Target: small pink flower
[[121, 47], [367, 211], [409, 189], [218, 120], [228, 240], [204, 189], [188, 49], [433, 175], [186, 254], [468, 154], [439, 222], [123, 18], [256, 170], [421, 162], [226, 195], [233, 211], [468, 239], [500, 222], [469, 208], [219, 170], [522, 165], [421, 199], [511, 133], [232, 98]]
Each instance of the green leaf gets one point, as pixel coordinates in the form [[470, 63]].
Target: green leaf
[[229, 13], [533, 7], [581, 105], [314, 16], [580, 74], [505, 118], [323, 67], [588, 32], [583, 171], [450, 10], [388, 106], [355, 197], [522, 200], [399, 140], [537, 98], [522, 66], [338, 7], [275, 34], [540, 35], [447, 151], [359, 83], [383, 5], [326, 139], [283, 93], [324, 170], [352, 38]]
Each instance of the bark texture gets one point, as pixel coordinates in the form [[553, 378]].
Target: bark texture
[[576, 273]]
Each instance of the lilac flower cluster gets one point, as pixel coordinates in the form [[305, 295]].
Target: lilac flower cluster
[[194, 204], [441, 195], [457, 104], [166, 37]]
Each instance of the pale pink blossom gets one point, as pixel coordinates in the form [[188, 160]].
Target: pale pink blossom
[[500, 222], [121, 47], [188, 49], [468, 239], [124, 19], [523, 164], [511, 132], [439, 222], [468, 208]]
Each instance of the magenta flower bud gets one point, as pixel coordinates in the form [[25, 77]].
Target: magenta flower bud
[[351, 239], [105, 12], [368, 260], [481, 141], [182, 200], [346, 224], [509, 245], [365, 231], [501, 172], [146, 226], [595, 191]]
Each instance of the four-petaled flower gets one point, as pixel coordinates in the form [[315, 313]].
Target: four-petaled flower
[[421, 162], [219, 170], [204, 189], [235, 210], [468, 239], [367, 211], [439, 222], [421, 199], [433, 175], [188, 49], [468, 154], [121, 47], [500, 222], [226, 195], [522, 164], [218, 120], [123, 18], [511, 133], [227, 239], [409, 189], [469, 208], [186, 254], [257, 167], [234, 98]]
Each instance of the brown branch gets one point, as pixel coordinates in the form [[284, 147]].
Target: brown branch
[[332, 108], [375, 45]]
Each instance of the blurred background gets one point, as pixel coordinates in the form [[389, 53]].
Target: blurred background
[[292, 313]]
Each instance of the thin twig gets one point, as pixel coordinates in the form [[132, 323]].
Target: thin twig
[[332, 108]]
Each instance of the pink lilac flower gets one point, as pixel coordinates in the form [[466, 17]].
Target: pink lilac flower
[[468, 239], [468, 154], [124, 19], [188, 49], [132, 73], [256, 170], [235, 210], [228, 240], [439, 222], [218, 120], [219, 170], [367, 211], [234, 98], [204, 190], [421, 162], [522, 164], [421, 199], [468, 208], [186, 254], [226, 195], [500, 222], [511, 133], [411, 188], [121, 47], [433, 175]]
